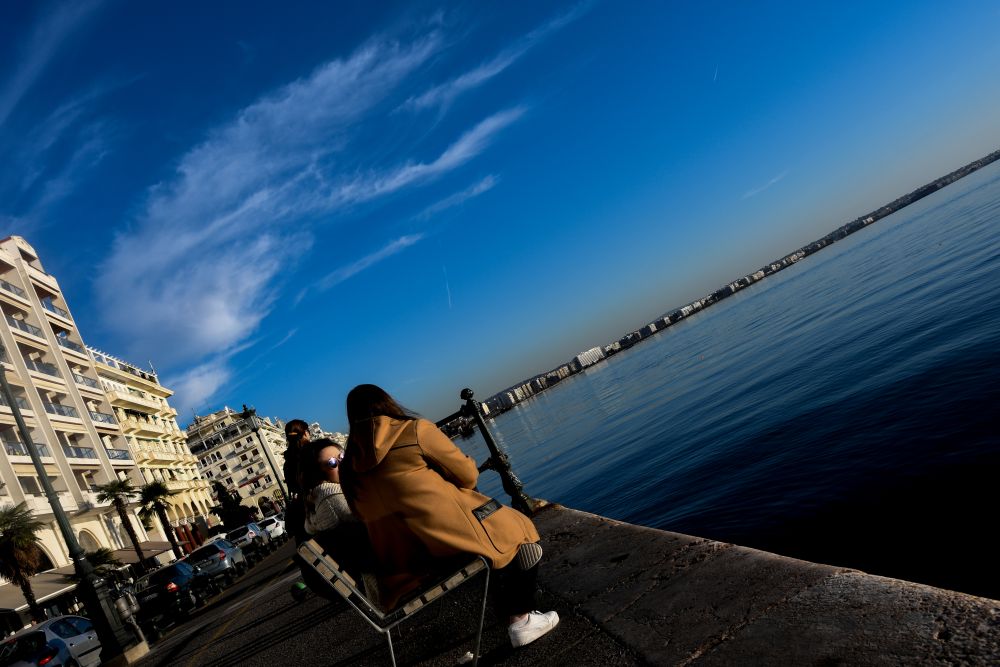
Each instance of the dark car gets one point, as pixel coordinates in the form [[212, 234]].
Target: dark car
[[169, 593], [219, 560], [254, 540]]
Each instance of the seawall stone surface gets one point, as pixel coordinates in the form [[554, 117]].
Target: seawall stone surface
[[676, 600]]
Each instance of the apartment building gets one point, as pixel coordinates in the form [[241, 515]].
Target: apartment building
[[245, 453], [70, 419], [158, 445]]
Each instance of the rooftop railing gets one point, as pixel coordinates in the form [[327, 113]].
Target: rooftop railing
[[24, 326], [59, 409], [12, 288]]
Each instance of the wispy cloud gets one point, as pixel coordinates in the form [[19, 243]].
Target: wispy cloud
[[756, 191], [343, 273], [203, 263], [38, 49], [459, 198], [442, 95], [447, 285]]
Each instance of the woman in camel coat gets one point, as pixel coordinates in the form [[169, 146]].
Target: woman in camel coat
[[415, 492]]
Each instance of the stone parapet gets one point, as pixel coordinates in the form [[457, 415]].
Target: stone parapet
[[675, 599]]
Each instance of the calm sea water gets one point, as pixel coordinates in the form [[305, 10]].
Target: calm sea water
[[844, 410]]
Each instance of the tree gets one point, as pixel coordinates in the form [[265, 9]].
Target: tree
[[119, 492], [20, 555], [103, 561], [153, 497], [232, 513]]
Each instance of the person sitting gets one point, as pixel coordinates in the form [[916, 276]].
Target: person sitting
[[325, 504], [415, 491], [328, 518], [296, 436]]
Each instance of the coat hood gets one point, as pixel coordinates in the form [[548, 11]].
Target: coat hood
[[371, 445]]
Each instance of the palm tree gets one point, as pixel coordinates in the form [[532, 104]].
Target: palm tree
[[20, 555], [153, 497], [102, 560], [119, 492]]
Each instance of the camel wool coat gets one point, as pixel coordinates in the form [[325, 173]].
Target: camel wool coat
[[415, 491]]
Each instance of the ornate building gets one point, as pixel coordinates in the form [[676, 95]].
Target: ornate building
[[70, 419], [243, 452], [158, 445]]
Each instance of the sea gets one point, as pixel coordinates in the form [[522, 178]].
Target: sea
[[845, 410]]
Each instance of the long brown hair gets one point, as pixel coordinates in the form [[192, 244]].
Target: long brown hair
[[367, 401], [364, 403]]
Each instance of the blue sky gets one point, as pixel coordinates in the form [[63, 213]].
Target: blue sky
[[275, 204]]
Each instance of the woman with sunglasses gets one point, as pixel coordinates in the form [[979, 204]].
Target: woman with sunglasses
[[325, 505], [415, 491]]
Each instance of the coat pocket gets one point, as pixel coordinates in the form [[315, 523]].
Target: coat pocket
[[501, 524]]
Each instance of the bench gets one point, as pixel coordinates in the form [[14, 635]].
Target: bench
[[365, 603]]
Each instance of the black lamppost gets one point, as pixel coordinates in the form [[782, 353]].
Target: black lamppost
[[91, 589], [498, 460], [250, 415]]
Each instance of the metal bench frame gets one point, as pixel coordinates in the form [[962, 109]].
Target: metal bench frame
[[316, 557]]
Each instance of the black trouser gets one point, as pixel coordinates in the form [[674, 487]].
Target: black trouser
[[516, 589]]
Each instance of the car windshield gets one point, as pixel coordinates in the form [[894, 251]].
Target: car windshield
[[205, 552], [21, 648], [238, 533], [159, 577]]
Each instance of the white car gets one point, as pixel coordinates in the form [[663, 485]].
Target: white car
[[275, 527]]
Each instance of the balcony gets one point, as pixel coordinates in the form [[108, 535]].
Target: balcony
[[70, 345], [42, 367], [133, 398], [179, 484], [13, 289], [118, 455], [79, 452], [61, 410], [40, 504], [86, 381], [53, 308], [103, 418], [90, 498], [21, 403], [17, 448], [25, 327], [142, 426]]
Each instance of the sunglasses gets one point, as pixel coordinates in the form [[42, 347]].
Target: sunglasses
[[333, 462]]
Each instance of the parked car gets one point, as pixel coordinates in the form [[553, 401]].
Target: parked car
[[275, 527], [254, 540], [221, 561], [63, 640], [169, 593]]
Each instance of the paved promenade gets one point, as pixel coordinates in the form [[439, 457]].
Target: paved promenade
[[626, 595]]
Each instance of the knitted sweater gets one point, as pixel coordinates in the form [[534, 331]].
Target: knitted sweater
[[329, 508]]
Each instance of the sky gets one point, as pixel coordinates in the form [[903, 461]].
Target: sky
[[271, 204]]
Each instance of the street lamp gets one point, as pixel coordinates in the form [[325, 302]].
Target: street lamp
[[250, 415], [91, 589]]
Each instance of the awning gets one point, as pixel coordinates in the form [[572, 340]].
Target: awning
[[149, 549], [46, 585]]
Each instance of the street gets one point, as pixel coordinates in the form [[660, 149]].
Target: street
[[257, 622]]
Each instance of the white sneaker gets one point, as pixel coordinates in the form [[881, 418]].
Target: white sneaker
[[537, 624]]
